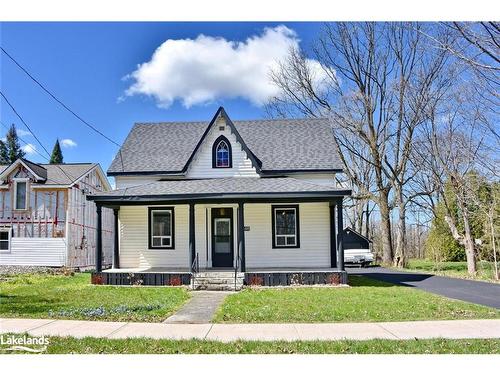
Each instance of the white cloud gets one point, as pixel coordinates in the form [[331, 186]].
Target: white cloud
[[29, 148], [22, 133], [207, 68], [67, 143]]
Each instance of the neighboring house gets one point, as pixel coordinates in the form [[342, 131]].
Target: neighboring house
[[256, 198], [357, 248], [45, 219]]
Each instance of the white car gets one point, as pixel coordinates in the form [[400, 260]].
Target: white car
[[362, 257]]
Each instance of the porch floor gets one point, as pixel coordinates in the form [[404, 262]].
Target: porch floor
[[148, 270], [248, 270]]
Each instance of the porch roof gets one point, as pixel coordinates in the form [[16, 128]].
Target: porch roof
[[235, 188]]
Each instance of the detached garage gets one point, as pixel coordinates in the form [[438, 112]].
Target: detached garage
[[357, 248]]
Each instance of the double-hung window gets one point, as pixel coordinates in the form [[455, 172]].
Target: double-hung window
[[20, 194], [5, 239], [161, 228], [285, 221]]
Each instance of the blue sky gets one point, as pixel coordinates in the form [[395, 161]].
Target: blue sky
[[84, 65]]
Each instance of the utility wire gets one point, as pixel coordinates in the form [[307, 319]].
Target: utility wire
[[64, 105], [24, 122], [34, 149], [72, 178], [57, 99]]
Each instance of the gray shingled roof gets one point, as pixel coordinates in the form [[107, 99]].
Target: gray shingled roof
[[60, 174], [65, 174], [37, 168], [220, 186], [287, 144]]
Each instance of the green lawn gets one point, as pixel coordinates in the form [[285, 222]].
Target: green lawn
[[366, 300], [485, 270], [73, 297], [66, 345]]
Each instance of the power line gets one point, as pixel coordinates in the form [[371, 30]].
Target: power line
[[72, 178], [24, 122], [33, 148], [57, 99]]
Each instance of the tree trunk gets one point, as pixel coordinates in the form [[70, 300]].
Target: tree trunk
[[385, 221], [469, 246], [399, 256], [367, 222], [465, 240], [493, 244], [359, 216]]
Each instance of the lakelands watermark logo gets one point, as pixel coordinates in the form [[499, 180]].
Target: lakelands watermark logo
[[13, 343]]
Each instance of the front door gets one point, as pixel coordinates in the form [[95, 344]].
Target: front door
[[222, 237]]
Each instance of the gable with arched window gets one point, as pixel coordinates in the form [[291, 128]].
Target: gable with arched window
[[221, 153]]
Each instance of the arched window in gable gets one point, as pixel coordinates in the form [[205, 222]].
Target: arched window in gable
[[221, 153]]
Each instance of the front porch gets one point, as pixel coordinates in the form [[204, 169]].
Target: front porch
[[280, 237], [168, 276]]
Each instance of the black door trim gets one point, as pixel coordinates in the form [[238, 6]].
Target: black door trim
[[222, 260]]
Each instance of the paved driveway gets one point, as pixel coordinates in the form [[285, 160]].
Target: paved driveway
[[483, 293]]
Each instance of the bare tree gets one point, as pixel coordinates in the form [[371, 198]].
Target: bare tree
[[476, 46], [484, 193], [454, 145], [492, 215], [377, 80]]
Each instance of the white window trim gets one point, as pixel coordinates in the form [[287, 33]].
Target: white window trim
[[171, 212], [9, 230], [26, 202], [276, 235]]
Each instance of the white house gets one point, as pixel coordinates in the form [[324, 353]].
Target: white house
[[45, 219], [204, 200]]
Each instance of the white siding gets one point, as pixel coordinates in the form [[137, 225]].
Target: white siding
[[314, 248], [202, 218], [81, 223], [201, 165], [35, 252], [134, 252]]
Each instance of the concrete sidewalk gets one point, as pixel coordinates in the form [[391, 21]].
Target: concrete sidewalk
[[452, 329], [200, 308]]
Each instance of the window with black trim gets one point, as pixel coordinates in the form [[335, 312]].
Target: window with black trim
[[221, 153], [161, 228], [5, 239], [285, 221]]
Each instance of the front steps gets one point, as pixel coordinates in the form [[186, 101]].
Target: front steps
[[217, 280]]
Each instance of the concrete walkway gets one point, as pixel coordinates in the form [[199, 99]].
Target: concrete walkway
[[480, 292], [200, 308], [452, 329]]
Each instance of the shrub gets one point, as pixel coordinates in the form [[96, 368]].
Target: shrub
[[440, 244], [256, 281]]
